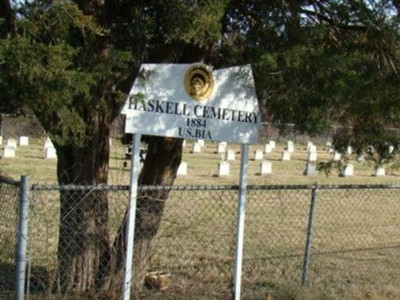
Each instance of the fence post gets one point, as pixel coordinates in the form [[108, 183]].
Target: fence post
[[307, 251], [22, 236]]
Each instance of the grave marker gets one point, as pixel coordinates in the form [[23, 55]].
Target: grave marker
[[258, 154], [24, 141], [349, 150], [48, 143], [50, 153], [380, 171], [230, 155], [312, 148], [223, 168], [196, 148], [312, 156], [265, 167], [337, 156], [12, 143], [9, 152], [285, 155], [272, 143], [221, 147], [290, 147], [267, 148], [182, 170], [348, 170], [310, 169]]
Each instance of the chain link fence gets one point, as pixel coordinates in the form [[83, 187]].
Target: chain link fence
[[330, 239], [8, 233]]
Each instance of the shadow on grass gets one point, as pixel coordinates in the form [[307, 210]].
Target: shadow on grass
[[38, 279]]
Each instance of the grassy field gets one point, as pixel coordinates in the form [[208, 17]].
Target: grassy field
[[356, 241], [202, 167]]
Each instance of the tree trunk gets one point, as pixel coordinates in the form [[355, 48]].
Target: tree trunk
[[84, 243], [163, 158]]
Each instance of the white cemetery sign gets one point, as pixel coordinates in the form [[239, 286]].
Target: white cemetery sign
[[192, 101], [159, 103]]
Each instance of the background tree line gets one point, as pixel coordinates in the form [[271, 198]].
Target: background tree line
[[72, 63]]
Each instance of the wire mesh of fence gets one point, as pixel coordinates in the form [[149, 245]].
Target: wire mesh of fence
[[8, 229], [185, 241]]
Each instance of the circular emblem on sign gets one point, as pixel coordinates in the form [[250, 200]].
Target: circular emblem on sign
[[199, 82]]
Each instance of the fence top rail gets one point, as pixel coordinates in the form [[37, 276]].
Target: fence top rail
[[104, 187]]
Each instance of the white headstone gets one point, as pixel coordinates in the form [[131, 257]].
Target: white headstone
[[200, 142], [349, 150], [1, 140], [328, 145], [23, 141], [380, 171], [265, 167], [182, 170], [184, 143], [309, 144], [50, 153], [285, 155], [337, 156], [348, 170], [360, 158], [312, 148], [9, 152], [223, 168], [272, 143], [221, 147], [267, 148], [258, 154], [310, 169], [312, 156], [12, 143], [196, 148], [391, 149], [48, 143], [230, 155], [290, 146]]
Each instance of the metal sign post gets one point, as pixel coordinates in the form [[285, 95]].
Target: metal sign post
[[240, 220], [192, 101], [131, 216]]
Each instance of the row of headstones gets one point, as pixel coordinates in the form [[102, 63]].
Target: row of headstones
[[224, 168], [10, 148], [266, 166], [229, 154]]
